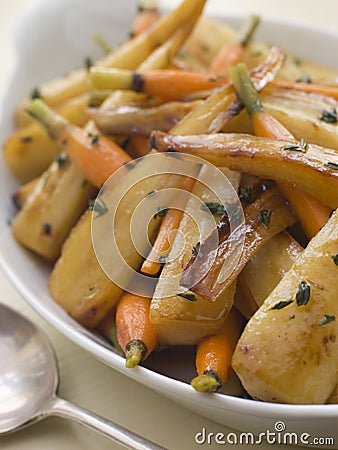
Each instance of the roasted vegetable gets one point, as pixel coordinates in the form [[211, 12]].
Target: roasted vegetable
[[288, 350], [314, 170]]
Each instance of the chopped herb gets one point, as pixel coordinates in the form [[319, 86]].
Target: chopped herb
[[35, 93], [213, 207], [335, 259], [151, 193], [245, 194], [302, 147], [212, 79], [190, 297], [26, 139], [162, 259], [61, 159], [151, 142], [329, 116], [265, 216], [303, 294], [9, 222], [297, 61], [84, 183], [282, 304], [129, 165], [95, 138], [160, 212], [47, 228], [331, 165], [196, 250], [304, 79], [88, 62], [256, 53], [327, 319], [98, 206]]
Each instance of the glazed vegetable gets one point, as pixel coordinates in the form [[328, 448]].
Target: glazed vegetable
[[265, 269], [312, 213], [214, 354], [314, 170], [330, 91], [29, 151], [127, 56], [166, 233], [136, 335], [232, 54], [130, 120], [264, 218], [145, 18], [293, 335], [97, 157], [179, 319], [94, 294], [44, 221]]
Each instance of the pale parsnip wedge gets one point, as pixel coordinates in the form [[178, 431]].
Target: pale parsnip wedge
[[312, 168], [289, 354], [177, 320]]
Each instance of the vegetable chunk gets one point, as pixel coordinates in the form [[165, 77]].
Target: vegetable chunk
[[288, 351]]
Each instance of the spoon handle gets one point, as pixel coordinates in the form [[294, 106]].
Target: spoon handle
[[63, 408]]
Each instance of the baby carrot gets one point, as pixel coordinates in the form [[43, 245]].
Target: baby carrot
[[166, 84], [214, 354], [232, 54], [145, 18], [135, 333], [169, 224], [323, 89], [139, 145], [96, 156], [312, 213]]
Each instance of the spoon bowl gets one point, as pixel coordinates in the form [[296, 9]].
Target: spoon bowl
[[29, 380]]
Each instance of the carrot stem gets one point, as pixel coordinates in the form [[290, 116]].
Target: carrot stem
[[232, 54], [96, 156], [135, 333], [312, 213], [214, 354]]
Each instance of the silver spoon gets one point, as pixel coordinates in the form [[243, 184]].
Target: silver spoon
[[29, 380]]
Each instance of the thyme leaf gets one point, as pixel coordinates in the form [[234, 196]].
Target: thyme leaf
[[329, 115], [98, 206], [335, 259], [327, 319], [196, 250], [190, 297], [213, 207], [301, 147], [245, 194], [160, 212], [265, 216], [35, 93], [282, 304], [162, 259], [303, 294], [331, 165]]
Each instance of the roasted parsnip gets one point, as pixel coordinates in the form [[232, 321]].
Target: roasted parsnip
[[312, 168], [288, 351]]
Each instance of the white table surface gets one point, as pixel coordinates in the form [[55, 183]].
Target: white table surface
[[88, 382]]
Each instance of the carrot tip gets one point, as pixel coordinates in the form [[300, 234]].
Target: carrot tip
[[205, 383], [135, 351]]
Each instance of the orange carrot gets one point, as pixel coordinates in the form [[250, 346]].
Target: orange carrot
[[139, 145], [135, 333], [312, 213], [169, 224], [323, 89], [214, 354], [232, 54], [145, 18], [96, 156]]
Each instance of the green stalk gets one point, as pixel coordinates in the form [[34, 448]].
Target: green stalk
[[208, 382], [245, 89], [135, 352], [248, 30], [45, 116]]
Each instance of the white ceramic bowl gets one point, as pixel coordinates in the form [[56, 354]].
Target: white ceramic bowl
[[51, 38]]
